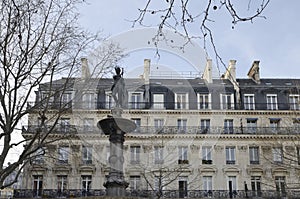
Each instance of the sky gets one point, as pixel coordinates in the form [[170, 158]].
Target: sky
[[274, 41]]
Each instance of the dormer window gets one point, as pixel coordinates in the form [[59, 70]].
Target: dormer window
[[89, 100], [181, 101], [272, 102], [136, 100], [294, 101], [227, 101], [204, 100]]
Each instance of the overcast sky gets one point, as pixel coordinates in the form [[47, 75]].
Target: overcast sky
[[275, 41]]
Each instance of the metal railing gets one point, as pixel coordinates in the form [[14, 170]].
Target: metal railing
[[96, 105], [73, 193], [72, 129]]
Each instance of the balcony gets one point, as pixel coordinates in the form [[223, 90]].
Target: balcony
[[254, 161], [207, 161], [171, 105], [143, 193], [73, 129], [230, 161], [87, 162], [183, 162]]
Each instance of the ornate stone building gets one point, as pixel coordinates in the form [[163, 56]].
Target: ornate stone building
[[196, 137]]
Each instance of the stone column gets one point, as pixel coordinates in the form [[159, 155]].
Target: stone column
[[116, 127]]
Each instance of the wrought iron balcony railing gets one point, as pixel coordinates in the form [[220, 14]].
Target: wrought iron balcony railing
[[65, 129], [96, 105], [140, 193]]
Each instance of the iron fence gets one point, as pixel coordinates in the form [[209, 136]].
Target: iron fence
[[216, 130], [221, 194]]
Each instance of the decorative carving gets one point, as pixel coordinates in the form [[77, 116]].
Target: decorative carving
[[171, 148], [194, 148], [75, 148], [242, 148], [289, 148], [147, 148], [266, 148], [218, 148]]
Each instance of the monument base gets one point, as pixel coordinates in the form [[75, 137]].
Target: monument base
[[116, 188]]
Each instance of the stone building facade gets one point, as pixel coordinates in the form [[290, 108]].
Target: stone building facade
[[195, 137]]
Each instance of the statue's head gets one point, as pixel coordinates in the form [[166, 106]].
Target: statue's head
[[118, 70]]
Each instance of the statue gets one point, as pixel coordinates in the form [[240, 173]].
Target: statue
[[118, 88]]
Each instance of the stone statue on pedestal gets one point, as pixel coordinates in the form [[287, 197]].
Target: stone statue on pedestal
[[118, 88]]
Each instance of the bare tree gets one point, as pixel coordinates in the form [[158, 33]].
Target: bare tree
[[183, 16], [163, 167], [39, 42]]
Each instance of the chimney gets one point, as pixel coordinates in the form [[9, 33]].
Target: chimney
[[207, 75], [85, 71], [254, 72], [146, 71], [231, 71], [147, 81]]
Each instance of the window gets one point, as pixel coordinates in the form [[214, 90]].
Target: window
[[272, 102], [88, 124], [296, 124], [109, 100], [159, 125], [294, 101], [232, 183], [87, 153], [134, 182], [66, 100], [182, 185], [158, 101], [298, 155], [207, 183], [256, 185], [38, 157], [135, 154], [251, 125], [63, 155], [158, 154], [204, 125], [37, 185], [277, 155], [280, 185], [181, 125], [62, 183], [254, 155], [181, 101], [137, 122], [227, 101], [86, 182], [159, 184], [65, 125], [47, 98], [183, 157], [89, 100], [228, 126], [274, 124], [206, 155], [204, 101], [107, 153], [230, 155], [135, 101], [249, 103]]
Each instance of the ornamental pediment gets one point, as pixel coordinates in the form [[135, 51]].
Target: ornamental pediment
[[255, 171], [87, 168], [232, 169], [208, 169]]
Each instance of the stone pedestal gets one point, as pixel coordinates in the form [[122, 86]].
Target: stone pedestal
[[115, 126]]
